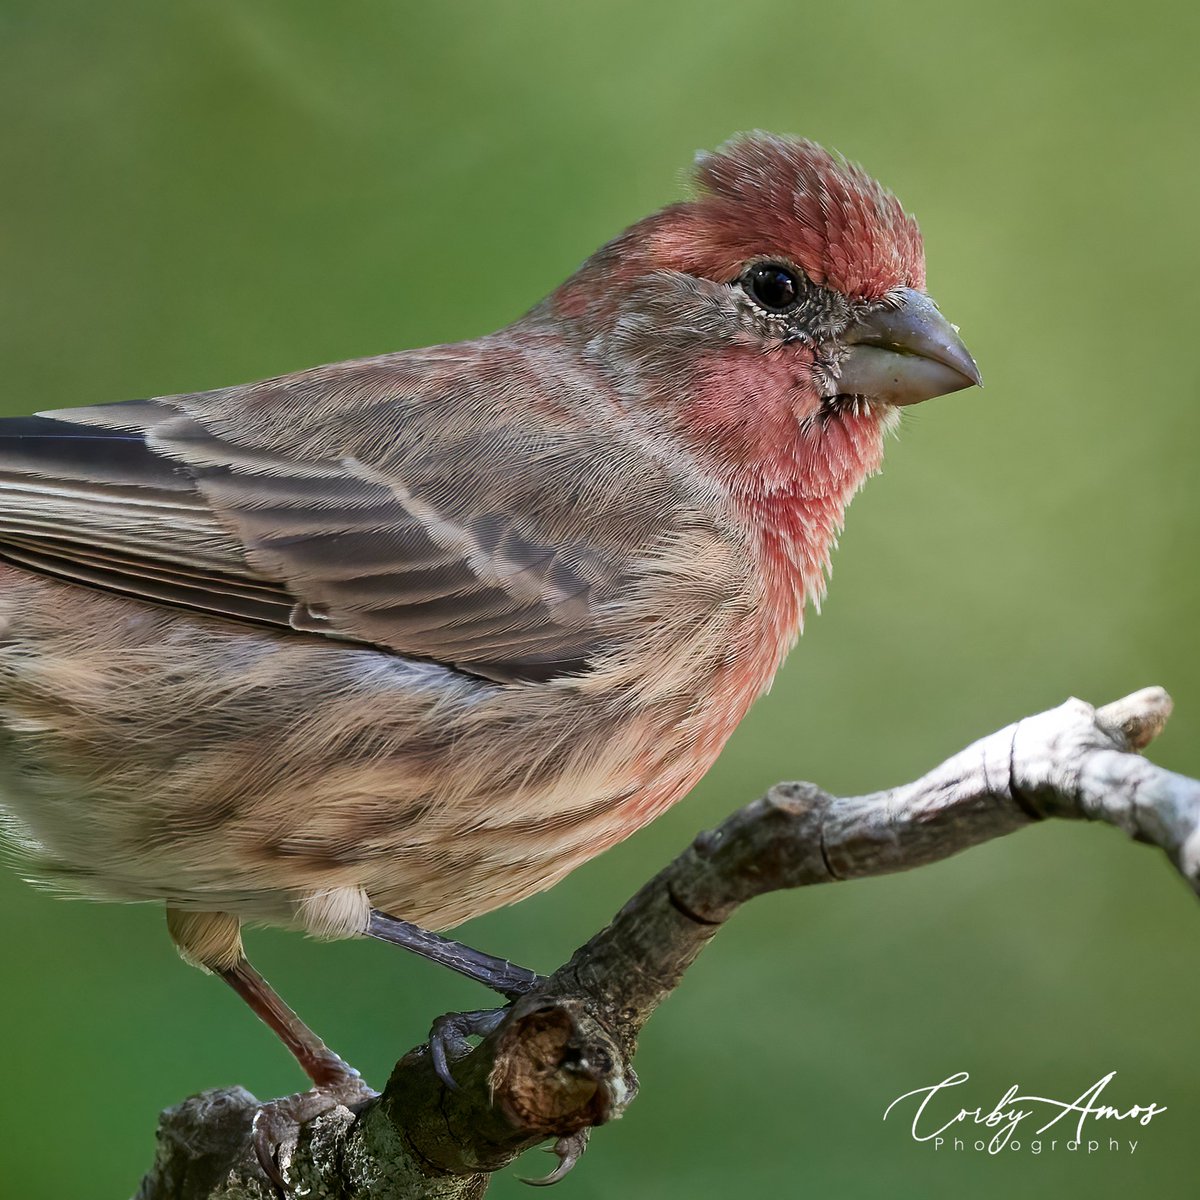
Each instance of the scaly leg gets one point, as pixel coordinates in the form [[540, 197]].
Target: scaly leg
[[325, 1068], [213, 941], [447, 1038], [498, 974]]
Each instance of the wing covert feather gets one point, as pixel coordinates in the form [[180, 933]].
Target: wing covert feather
[[405, 502]]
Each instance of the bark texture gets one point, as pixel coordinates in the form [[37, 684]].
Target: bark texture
[[560, 1061]]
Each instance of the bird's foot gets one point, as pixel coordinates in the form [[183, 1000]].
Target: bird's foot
[[569, 1151], [277, 1124], [449, 1034]]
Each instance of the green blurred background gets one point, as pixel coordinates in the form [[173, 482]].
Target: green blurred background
[[204, 192]]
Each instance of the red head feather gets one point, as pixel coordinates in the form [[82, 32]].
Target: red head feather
[[768, 195]]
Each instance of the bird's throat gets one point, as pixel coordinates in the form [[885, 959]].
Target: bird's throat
[[795, 521]]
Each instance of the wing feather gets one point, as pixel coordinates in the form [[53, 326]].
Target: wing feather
[[409, 502]]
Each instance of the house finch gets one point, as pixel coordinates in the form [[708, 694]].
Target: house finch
[[419, 634]]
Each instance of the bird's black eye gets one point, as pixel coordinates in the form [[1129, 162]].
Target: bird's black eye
[[772, 286]]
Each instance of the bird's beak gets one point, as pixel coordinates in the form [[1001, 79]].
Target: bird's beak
[[905, 354]]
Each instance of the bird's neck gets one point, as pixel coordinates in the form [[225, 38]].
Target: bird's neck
[[751, 421], [791, 466]]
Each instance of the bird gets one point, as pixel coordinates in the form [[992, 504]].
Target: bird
[[376, 647]]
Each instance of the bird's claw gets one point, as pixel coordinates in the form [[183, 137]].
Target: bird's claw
[[277, 1124], [569, 1151], [449, 1033]]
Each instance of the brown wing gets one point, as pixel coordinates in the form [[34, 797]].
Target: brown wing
[[442, 504]]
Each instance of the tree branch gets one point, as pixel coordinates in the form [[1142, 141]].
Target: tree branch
[[560, 1061]]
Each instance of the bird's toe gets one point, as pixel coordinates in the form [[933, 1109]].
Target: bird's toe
[[449, 1033], [277, 1124]]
